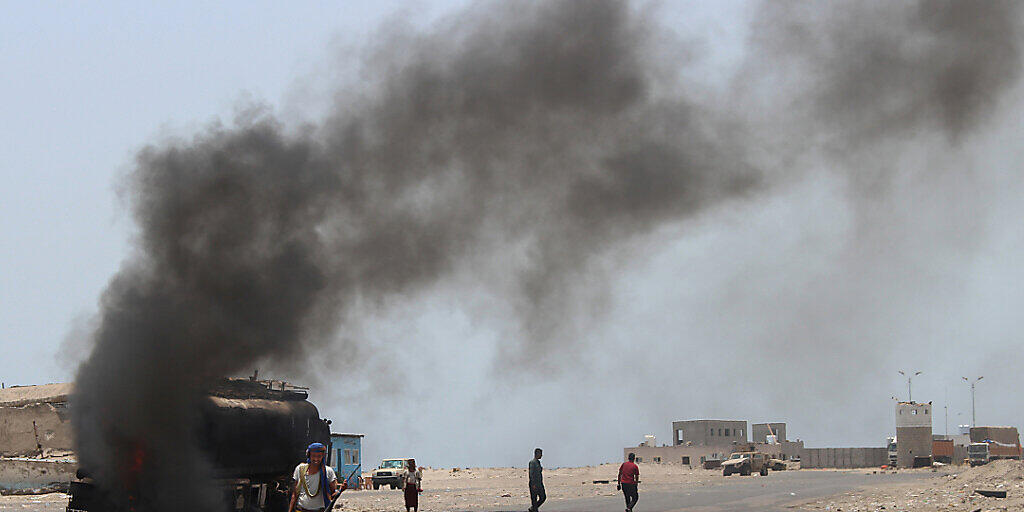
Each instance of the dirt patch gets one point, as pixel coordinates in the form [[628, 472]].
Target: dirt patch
[[506, 488]]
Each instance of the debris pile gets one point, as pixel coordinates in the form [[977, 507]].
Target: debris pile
[[957, 489]]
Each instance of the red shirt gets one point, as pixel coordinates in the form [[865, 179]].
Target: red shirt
[[628, 473]]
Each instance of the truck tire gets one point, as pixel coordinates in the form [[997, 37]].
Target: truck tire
[[376, 486], [764, 471], [725, 472], [745, 471]]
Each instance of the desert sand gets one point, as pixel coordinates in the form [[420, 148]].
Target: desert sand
[[506, 488]]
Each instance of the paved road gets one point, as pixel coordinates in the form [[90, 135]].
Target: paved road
[[743, 494]]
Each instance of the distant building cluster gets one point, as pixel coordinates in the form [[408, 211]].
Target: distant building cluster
[[706, 442], [703, 441]]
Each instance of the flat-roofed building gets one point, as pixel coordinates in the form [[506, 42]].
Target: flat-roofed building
[[913, 434], [709, 432]]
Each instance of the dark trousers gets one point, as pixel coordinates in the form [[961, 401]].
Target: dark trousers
[[629, 491], [537, 496]]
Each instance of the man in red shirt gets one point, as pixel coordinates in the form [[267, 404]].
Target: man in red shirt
[[629, 476]]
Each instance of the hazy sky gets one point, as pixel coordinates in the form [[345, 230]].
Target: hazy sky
[[797, 303]]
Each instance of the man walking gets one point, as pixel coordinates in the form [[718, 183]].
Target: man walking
[[315, 482], [537, 495], [629, 476]]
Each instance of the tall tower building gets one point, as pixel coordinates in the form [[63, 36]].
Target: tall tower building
[[913, 432]]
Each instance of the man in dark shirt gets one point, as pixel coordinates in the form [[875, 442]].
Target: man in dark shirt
[[537, 495], [629, 476]]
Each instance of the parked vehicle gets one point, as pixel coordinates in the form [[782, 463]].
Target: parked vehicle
[[942, 451], [992, 443], [389, 473], [745, 463]]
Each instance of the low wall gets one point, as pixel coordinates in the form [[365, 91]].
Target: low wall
[[844, 457], [29, 430], [29, 476]]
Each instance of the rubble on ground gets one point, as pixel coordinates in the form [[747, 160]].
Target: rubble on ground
[[954, 491]]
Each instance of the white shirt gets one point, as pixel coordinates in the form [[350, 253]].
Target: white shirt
[[316, 501]]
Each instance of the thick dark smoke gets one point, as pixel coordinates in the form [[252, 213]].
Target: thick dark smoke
[[546, 131]]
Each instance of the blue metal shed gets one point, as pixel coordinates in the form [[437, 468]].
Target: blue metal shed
[[347, 458]]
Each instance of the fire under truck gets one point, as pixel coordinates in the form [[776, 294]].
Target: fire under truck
[[253, 432]]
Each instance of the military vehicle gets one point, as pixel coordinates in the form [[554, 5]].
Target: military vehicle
[[746, 463]]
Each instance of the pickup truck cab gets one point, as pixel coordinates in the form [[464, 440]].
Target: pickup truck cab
[[389, 473]]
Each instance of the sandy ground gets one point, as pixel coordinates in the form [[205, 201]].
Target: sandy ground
[[954, 491], [52, 502], [471, 489], [506, 488]]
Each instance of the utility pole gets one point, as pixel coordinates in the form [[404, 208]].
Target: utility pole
[[945, 407], [974, 419], [910, 397]]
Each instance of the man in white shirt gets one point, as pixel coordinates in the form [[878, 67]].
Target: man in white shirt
[[311, 478]]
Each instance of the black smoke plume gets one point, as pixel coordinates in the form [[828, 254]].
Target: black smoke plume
[[546, 130]]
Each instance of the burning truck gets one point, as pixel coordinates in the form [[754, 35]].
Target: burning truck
[[253, 434]]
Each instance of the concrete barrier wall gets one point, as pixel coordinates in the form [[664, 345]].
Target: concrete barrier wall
[[844, 457], [29, 476], [25, 429]]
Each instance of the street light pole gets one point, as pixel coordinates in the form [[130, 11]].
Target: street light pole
[[910, 397], [974, 419]]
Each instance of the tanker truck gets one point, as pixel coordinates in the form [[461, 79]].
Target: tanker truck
[[254, 436]]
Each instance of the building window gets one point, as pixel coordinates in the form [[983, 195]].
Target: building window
[[686, 460], [712, 432], [639, 459], [719, 432], [657, 459], [726, 432], [355, 457], [914, 412]]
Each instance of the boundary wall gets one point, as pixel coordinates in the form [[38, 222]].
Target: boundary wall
[[844, 458]]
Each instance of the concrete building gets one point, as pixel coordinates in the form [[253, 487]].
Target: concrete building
[[913, 434], [696, 455], [696, 441], [759, 432], [708, 432], [692, 455]]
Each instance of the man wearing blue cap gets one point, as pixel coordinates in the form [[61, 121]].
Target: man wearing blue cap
[[311, 479]]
